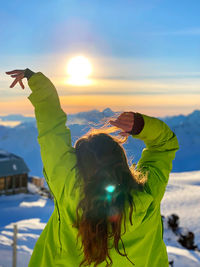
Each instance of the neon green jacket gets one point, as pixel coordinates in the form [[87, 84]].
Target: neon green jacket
[[56, 246]]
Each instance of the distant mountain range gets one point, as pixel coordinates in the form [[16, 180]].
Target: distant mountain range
[[78, 118], [22, 139]]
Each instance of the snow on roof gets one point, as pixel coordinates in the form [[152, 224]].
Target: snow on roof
[[4, 153], [11, 164]]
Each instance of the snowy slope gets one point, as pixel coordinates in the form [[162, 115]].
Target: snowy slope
[[31, 213], [182, 197]]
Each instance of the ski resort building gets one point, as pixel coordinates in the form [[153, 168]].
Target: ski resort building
[[37, 181], [13, 173]]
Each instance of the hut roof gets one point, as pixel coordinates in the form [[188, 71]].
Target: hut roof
[[11, 164]]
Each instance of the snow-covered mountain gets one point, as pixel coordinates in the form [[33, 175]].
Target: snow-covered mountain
[[22, 139], [187, 129], [94, 116], [31, 212], [78, 118]]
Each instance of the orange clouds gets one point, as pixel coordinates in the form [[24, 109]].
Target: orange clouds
[[151, 97], [157, 105]]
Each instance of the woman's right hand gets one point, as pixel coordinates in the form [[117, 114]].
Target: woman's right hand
[[18, 75], [125, 121]]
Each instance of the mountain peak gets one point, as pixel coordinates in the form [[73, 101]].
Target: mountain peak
[[108, 112], [107, 109], [195, 113]]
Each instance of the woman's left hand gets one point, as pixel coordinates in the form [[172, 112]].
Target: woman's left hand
[[125, 122], [18, 75]]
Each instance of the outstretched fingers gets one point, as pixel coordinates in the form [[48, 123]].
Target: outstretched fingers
[[21, 84], [16, 81], [14, 72], [120, 123], [125, 122], [18, 75]]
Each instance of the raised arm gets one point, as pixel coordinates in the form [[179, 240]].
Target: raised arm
[[58, 155], [161, 146]]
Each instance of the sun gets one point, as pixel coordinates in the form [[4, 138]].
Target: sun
[[79, 69]]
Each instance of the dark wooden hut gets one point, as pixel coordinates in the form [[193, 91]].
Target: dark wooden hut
[[13, 173]]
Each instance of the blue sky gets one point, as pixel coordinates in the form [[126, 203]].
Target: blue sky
[[132, 44], [118, 28]]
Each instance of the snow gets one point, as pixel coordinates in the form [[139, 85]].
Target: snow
[[20, 236], [38, 203], [5, 240], [183, 257], [6, 258], [182, 197], [4, 153], [181, 252], [31, 212], [33, 188], [27, 224]]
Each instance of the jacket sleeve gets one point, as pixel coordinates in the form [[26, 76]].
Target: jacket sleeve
[[58, 155], [156, 160]]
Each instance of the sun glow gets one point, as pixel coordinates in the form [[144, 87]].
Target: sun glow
[[79, 69]]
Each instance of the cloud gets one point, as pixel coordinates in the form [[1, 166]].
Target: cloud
[[133, 87], [156, 105]]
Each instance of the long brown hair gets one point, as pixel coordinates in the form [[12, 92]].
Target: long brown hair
[[106, 188]]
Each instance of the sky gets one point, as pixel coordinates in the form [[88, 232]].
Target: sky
[[145, 54]]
